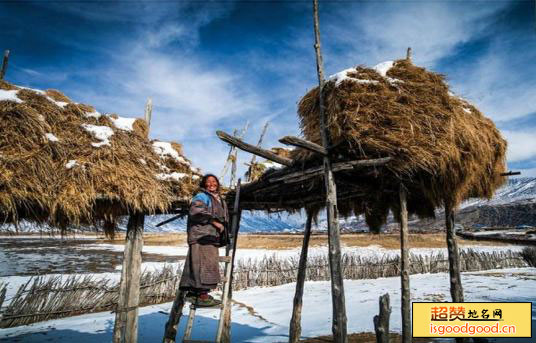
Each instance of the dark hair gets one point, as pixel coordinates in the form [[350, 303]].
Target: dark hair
[[202, 183]]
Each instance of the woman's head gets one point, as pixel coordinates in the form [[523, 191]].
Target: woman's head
[[210, 182]]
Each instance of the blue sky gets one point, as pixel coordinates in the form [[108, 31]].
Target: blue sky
[[215, 65]]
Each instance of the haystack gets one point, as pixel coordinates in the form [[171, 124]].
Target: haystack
[[443, 149], [66, 164]]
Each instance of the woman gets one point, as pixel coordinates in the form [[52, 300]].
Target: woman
[[206, 224]]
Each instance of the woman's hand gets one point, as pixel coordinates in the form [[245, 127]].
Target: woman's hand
[[217, 225]]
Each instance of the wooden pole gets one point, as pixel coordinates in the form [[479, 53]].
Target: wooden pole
[[456, 289], [224, 328], [2, 298], [253, 149], [302, 143], [381, 322], [264, 128], [126, 317], [4, 65], [408, 54], [404, 269], [337, 286], [170, 333], [295, 322], [148, 111]]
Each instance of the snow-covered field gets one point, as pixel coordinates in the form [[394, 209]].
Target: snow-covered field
[[263, 314]]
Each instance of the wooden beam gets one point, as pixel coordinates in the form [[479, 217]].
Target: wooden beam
[[339, 326], [126, 317], [511, 173], [335, 167], [4, 65], [295, 322], [302, 143], [381, 321], [404, 268], [253, 149]]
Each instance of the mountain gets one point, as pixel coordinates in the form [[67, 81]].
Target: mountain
[[514, 204]]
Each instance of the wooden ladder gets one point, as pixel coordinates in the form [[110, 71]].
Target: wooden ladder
[[223, 333]]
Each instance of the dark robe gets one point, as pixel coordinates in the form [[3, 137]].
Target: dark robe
[[201, 268]]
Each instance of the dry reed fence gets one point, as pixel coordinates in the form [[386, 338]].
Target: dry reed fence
[[56, 297]]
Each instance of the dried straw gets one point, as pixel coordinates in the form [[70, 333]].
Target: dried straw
[[443, 148], [40, 182]]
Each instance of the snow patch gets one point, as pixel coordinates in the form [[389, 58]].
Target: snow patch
[[383, 68], [466, 110], [122, 123], [175, 176], [93, 114], [142, 161], [9, 96], [102, 133], [71, 164], [51, 137], [165, 148]]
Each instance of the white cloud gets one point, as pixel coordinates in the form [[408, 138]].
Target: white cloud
[[378, 31], [521, 145]]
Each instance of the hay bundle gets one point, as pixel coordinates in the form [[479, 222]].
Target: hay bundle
[[257, 169], [66, 164], [443, 148]]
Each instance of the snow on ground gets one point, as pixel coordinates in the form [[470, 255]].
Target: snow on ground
[[259, 254], [270, 309]]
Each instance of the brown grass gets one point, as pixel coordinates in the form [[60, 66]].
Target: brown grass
[[443, 149], [292, 241], [106, 181]]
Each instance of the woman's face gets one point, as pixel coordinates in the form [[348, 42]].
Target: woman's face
[[211, 184]]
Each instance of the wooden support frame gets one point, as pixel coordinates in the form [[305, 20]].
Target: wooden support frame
[[302, 143], [253, 149], [339, 326], [381, 321], [404, 267], [295, 322]]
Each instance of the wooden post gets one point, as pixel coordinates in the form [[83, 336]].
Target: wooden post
[[224, 328], [4, 65], [2, 298], [126, 317], [337, 286], [456, 289], [381, 322], [295, 322], [408, 54], [174, 317], [404, 269], [148, 111]]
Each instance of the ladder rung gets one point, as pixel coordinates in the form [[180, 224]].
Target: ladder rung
[[226, 259]]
